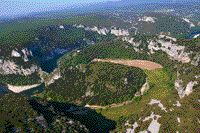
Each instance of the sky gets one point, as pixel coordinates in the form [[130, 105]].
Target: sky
[[18, 7]]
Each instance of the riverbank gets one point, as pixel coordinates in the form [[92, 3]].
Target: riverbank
[[195, 35], [19, 89]]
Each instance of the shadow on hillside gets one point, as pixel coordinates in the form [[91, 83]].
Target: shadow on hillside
[[96, 123], [35, 90], [4, 89]]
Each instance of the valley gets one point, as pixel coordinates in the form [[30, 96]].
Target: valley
[[120, 71]]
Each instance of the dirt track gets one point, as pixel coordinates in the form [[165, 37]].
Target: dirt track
[[143, 64]]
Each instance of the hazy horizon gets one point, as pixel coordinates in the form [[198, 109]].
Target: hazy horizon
[[22, 7]]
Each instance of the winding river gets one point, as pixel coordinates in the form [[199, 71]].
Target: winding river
[[193, 35], [49, 62]]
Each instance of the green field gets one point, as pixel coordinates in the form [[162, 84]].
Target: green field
[[159, 91]]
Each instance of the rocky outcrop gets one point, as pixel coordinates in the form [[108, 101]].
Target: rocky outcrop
[[175, 52], [189, 87], [144, 88], [147, 19], [15, 65], [105, 31], [119, 32], [187, 20], [50, 78], [152, 117], [185, 89], [61, 27], [179, 87], [196, 59]]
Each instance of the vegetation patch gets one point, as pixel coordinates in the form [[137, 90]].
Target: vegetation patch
[[158, 90], [19, 80], [101, 83]]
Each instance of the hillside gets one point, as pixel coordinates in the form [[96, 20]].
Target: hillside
[[119, 70], [99, 83], [173, 82]]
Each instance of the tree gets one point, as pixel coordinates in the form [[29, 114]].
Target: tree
[[16, 110]]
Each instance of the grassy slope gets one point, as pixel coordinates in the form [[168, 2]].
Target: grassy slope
[[159, 91]]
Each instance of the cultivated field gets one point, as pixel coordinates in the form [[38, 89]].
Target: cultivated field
[[143, 64]]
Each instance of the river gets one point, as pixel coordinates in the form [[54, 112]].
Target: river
[[193, 35], [3, 88], [49, 62]]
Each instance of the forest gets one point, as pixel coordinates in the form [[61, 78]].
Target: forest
[[105, 80]]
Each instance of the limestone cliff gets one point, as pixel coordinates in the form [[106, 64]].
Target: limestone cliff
[[18, 63], [188, 67]]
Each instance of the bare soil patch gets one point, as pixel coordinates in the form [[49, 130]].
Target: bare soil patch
[[143, 64]]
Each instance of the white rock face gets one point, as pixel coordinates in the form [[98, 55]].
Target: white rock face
[[187, 20], [154, 125], [178, 119], [30, 70], [145, 87], [1, 61], [87, 28], [147, 19], [80, 26], [107, 30], [113, 31], [184, 91], [189, 87], [10, 67], [168, 37], [120, 32], [184, 57], [179, 88], [135, 125], [197, 76], [131, 40], [172, 50], [178, 104], [26, 52], [61, 27], [41, 121], [89, 93], [192, 25], [196, 36], [94, 28], [153, 101], [70, 122], [196, 60], [102, 31], [15, 54]]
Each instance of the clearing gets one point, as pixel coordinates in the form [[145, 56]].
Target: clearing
[[143, 64]]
